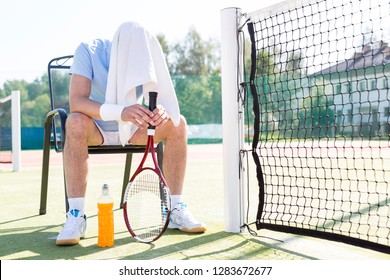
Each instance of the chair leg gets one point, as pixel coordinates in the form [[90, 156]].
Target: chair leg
[[44, 180], [126, 176], [160, 155], [45, 166]]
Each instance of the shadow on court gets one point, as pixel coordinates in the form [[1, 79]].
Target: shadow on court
[[33, 238], [38, 243]]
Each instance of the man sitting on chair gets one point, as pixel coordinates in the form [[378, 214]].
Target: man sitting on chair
[[92, 122]]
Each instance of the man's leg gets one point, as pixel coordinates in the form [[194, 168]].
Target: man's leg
[[175, 152], [81, 131]]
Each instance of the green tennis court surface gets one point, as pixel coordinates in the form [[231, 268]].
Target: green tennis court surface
[[26, 235]]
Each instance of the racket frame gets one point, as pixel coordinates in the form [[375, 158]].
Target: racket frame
[[149, 149]]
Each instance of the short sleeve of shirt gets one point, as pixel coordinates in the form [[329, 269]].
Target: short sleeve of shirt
[[82, 63], [91, 60]]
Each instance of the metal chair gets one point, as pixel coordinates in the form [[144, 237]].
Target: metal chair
[[54, 130]]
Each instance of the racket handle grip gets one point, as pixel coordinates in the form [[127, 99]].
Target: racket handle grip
[[152, 104], [152, 100]]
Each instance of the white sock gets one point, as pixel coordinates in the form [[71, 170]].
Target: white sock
[[175, 199], [77, 203]]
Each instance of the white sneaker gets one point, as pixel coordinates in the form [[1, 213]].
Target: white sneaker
[[74, 228], [182, 219]]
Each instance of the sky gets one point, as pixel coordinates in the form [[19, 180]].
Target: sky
[[33, 32]]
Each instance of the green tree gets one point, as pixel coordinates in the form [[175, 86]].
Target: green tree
[[36, 88], [194, 66], [36, 111], [194, 56], [34, 100], [20, 85], [2, 93], [164, 45], [193, 98]]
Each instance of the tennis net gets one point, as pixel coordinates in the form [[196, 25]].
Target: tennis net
[[318, 119]]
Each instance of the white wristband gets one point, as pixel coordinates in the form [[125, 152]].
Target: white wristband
[[111, 112]]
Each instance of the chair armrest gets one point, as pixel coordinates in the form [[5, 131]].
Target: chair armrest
[[50, 127]]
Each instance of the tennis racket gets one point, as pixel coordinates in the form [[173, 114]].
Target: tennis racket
[[146, 206]]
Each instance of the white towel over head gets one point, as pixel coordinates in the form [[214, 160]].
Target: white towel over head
[[137, 60]]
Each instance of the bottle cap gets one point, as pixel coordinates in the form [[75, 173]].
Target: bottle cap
[[105, 189]]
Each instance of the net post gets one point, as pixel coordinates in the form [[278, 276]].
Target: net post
[[16, 138], [231, 121]]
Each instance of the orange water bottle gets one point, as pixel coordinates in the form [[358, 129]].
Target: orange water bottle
[[105, 219]]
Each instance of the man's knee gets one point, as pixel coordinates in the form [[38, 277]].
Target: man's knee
[[180, 130], [170, 131], [182, 127], [77, 123]]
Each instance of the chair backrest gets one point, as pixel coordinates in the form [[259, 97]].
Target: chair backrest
[[58, 76]]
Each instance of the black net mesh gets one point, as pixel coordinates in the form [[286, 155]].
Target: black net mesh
[[320, 84]]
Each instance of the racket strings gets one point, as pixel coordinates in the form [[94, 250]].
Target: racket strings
[[147, 206]]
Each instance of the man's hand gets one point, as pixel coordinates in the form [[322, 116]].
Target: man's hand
[[160, 116], [142, 117]]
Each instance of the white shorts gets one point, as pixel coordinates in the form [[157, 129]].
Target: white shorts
[[112, 137]]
